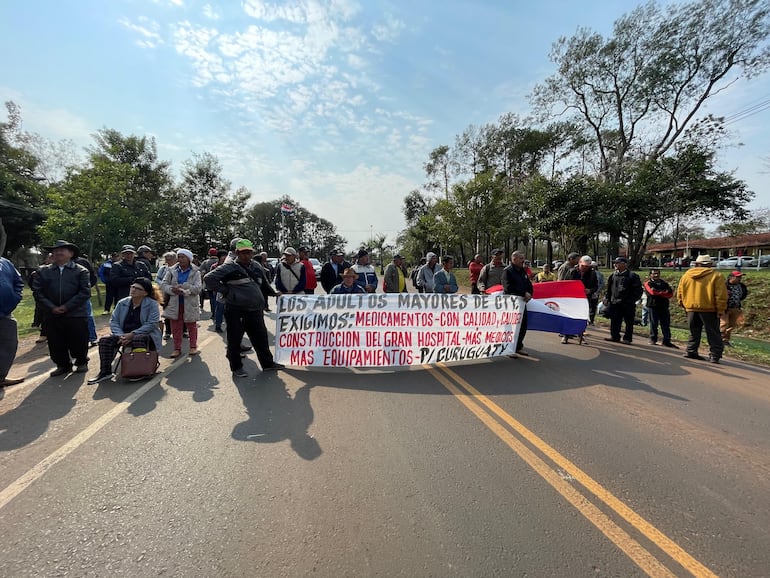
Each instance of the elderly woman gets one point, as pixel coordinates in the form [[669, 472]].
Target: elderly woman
[[169, 260], [182, 284], [134, 323]]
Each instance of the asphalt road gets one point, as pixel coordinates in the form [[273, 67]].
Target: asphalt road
[[594, 460]]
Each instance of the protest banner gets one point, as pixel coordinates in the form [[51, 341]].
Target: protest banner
[[394, 329]]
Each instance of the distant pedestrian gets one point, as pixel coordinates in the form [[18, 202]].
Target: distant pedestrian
[[492, 273], [126, 270], [311, 282], [474, 269], [515, 281], [331, 272], [394, 280], [291, 275]]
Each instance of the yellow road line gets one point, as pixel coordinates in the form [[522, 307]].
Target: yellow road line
[[642, 525]]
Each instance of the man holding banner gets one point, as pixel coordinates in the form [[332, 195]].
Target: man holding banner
[[517, 282]]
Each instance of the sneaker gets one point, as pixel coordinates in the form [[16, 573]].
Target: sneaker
[[713, 359], [652, 342], [60, 371], [565, 339], [240, 373], [627, 341], [105, 312], [274, 367], [669, 344], [103, 376], [82, 368], [694, 356]]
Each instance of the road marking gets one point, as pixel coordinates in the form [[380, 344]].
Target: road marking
[[40, 469], [620, 538]]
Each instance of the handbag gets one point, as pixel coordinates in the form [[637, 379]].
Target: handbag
[[136, 364]]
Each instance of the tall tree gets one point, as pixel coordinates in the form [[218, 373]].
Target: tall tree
[[641, 89]]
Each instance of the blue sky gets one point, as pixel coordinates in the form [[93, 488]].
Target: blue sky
[[336, 103]]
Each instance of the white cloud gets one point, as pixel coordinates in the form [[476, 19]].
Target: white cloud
[[210, 12], [148, 30], [389, 30]]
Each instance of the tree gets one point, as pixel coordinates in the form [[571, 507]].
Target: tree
[[22, 195], [639, 91], [119, 196]]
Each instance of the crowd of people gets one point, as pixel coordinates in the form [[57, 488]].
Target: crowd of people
[[166, 303]]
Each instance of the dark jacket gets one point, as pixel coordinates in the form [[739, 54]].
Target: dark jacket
[[122, 275], [588, 277], [659, 293], [329, 278], [624, 288], [242, 287], [69, 287], [11, 287], [92, 278], [516, 281]]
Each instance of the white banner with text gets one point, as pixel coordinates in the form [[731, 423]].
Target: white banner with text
[[394, 329]]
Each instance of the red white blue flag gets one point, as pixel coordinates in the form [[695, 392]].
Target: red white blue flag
[[558, 307], [286, 209]]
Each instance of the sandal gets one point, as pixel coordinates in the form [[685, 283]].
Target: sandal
[[176, 353]]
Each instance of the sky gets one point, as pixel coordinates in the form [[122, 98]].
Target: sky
[[336, 103]]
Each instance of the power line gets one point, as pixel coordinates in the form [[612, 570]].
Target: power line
[[749, 111]]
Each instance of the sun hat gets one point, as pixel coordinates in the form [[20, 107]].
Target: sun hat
[[128, 249], [704, 259]]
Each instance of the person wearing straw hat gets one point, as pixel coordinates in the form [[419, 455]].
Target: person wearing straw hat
[[62, 288], [702, 293], [349, 284]]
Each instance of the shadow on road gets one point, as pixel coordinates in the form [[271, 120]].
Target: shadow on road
[[202, 387], [49, 401], [275, 416]]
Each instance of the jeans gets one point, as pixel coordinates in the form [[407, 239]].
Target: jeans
[[91, 325], [660, 317]]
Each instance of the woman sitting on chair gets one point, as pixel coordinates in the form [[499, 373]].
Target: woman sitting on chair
[[135, 323]]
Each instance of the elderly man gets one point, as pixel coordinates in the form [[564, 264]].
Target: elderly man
[[624, 288], [244, 287], [367, 276], [394, 280], [123, 273], [516, 282], [492, 273], [11, 287], [444, 281], [331, 272], [585, 273], [563, 272], [290, 276], [62, 288], [703, 294]]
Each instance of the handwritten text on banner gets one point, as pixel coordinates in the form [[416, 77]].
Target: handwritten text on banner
[[385, 330]]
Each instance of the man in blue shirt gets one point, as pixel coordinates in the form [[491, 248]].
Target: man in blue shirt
[[10, 295]]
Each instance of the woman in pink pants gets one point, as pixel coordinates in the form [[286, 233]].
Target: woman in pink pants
[[182, 283]]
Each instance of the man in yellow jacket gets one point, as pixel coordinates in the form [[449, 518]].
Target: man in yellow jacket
[[702, 293]]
